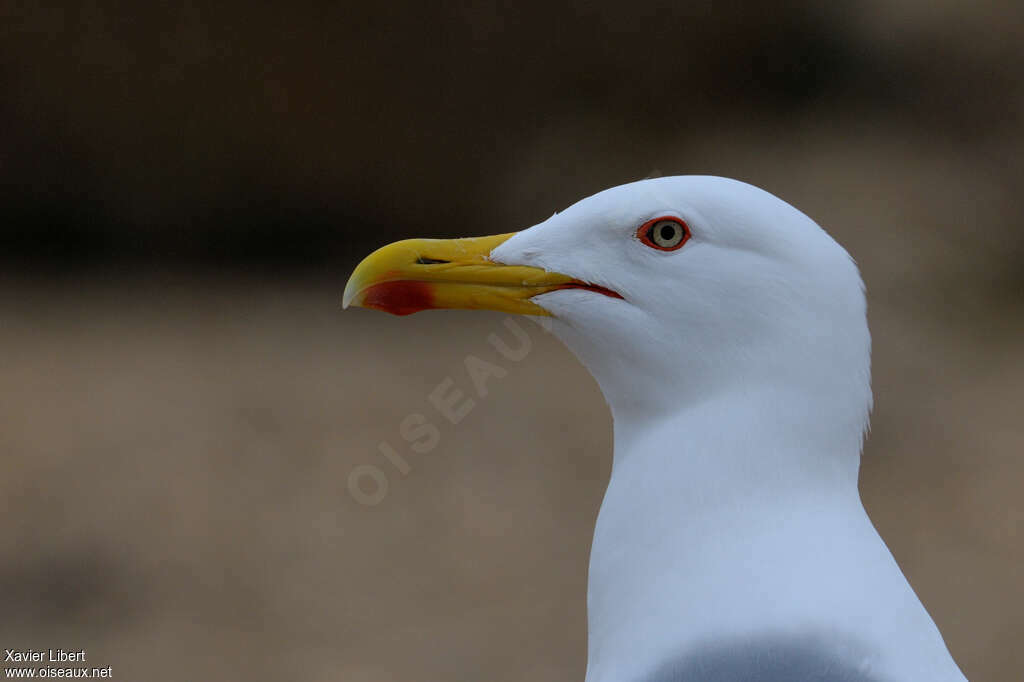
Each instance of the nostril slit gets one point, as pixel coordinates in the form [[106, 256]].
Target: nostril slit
[[430, 261]]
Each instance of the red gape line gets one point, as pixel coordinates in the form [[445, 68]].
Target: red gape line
[[643, 230], [591, 287]]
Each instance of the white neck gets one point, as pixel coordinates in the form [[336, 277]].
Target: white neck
[[719, 523]]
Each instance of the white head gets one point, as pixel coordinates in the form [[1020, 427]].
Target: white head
[[756, 293], [743, 292]]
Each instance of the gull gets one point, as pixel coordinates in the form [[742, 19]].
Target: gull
[[728, 334]]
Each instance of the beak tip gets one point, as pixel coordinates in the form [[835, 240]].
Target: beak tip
[[349, 296]]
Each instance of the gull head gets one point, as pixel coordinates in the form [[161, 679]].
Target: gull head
[[669, 290]]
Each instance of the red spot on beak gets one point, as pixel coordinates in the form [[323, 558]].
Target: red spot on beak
[[400, 297]]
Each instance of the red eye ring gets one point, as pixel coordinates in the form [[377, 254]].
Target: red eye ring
[[665, 233]]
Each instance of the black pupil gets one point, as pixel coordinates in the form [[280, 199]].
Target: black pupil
[[668, 232]]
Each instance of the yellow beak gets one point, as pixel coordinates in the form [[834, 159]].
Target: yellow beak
[[418, 274]]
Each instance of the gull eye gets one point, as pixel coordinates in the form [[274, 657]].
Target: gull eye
[[664, 234]]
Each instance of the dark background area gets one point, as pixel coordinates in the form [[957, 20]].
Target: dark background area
[[262, 135], [184, 189]]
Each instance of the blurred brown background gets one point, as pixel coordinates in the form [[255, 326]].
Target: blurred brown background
[[184, 189]]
